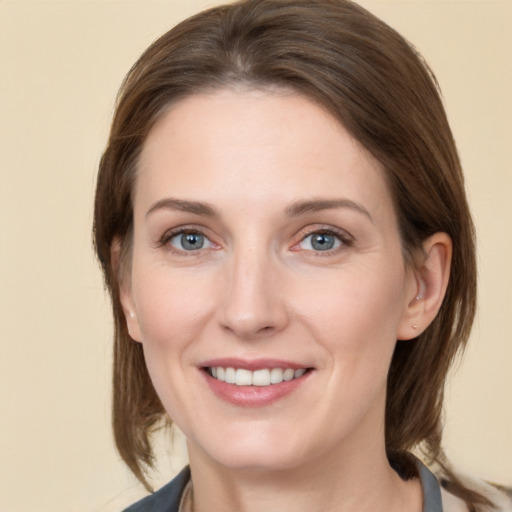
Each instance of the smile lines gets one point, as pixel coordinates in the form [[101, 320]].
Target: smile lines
[[264, 377]]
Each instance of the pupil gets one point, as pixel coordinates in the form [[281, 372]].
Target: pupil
[[192, 241], [322, 242]]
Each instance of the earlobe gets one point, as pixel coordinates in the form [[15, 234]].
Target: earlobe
[[125, 290], [132, 325], [431, 276], [132, 322]]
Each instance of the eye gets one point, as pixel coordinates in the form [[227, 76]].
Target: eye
[[189, 241], [321, 241]]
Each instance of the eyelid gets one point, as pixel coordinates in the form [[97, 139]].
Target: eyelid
[[165, 239], [343, 236]]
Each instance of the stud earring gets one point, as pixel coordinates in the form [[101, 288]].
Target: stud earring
[[132, 314], [414, 326]]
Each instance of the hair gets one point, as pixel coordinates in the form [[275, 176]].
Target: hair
[[372, 81]]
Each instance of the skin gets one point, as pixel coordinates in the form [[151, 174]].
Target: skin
[[258, 289]]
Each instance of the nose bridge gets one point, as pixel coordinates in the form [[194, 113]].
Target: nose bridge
[[252, 302]]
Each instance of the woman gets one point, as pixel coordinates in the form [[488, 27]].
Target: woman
[[282, 224]]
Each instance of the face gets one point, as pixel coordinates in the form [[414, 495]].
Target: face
[[267, 283]]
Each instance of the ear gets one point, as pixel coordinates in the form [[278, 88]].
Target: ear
[[122, 271], [429, 280]]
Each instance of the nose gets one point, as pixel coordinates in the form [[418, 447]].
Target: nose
[[253, 303]]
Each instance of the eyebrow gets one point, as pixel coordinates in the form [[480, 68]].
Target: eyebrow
[[297, 208], [182, 205]]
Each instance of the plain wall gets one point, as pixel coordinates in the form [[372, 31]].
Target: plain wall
[[60, 66]]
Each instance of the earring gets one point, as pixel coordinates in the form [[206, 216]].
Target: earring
[[414, 326], [132, 314]]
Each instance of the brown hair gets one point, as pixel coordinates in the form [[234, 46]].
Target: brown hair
[[367, 76]]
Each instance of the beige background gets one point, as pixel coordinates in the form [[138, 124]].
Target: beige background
[[60, 66]]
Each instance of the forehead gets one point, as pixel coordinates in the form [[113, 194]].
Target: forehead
[[255, 143]]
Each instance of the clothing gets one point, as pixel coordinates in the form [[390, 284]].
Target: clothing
[[168, 498]]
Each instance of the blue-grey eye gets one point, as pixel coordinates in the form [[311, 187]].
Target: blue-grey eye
[[320, 241], [189, 241]]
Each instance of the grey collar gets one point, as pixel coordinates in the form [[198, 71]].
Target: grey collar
[[431, 490]]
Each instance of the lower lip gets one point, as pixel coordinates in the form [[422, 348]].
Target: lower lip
[[253, 396]]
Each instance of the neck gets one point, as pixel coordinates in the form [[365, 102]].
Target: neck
[[342, 481]]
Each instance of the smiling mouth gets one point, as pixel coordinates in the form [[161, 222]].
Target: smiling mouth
[[263, 377]]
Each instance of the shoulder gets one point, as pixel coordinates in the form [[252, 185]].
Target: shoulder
[[167, 498], [500, 497], [441, 494], [452, 503]]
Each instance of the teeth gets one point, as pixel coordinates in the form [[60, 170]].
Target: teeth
[[230, 376], [276, 375], [288, 374], [263, 377], [243, 377]]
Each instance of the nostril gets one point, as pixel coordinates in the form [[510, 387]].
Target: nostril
[[247, 330]]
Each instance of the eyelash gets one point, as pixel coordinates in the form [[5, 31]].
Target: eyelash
[[344, 239], [166, 239]]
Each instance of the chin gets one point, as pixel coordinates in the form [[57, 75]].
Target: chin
[[257, 462], [256, 452]]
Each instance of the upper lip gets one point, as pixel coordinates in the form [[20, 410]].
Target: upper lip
[[253, 364]]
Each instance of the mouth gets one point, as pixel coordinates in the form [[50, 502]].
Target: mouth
[[254, 383], [261, 377]]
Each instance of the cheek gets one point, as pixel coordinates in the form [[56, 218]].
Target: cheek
[[172, 310], [170, 305], [358, 312]]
